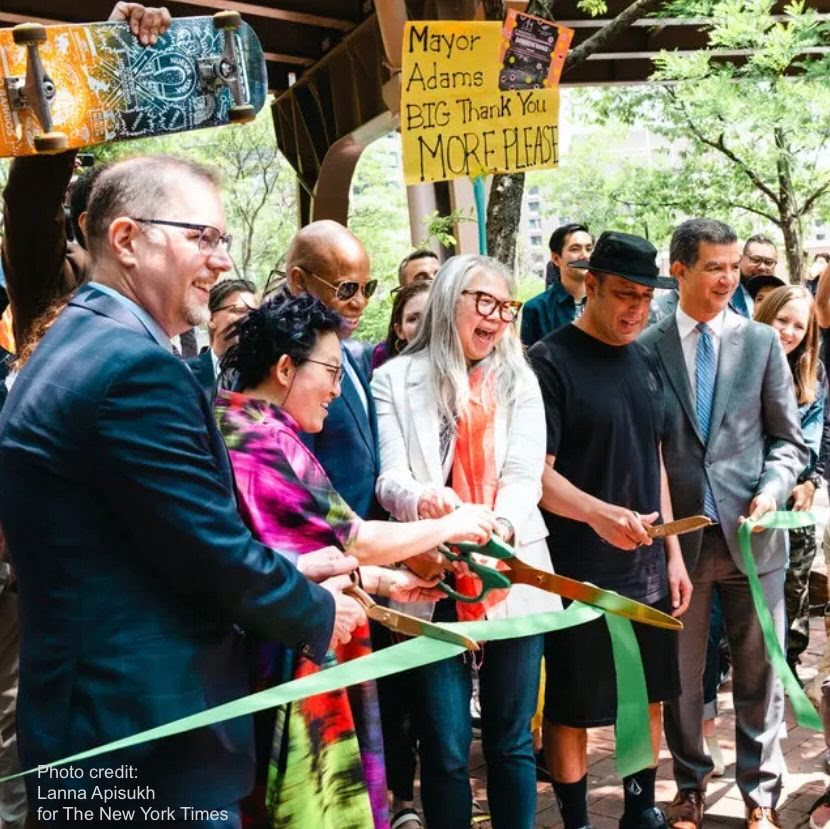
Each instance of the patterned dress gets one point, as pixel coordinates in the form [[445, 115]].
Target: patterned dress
[[326, 766]]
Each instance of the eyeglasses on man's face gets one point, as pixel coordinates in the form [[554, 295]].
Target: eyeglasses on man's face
[[348, 289], [486, 303], [335, 370], [759, 261], [209, 236]]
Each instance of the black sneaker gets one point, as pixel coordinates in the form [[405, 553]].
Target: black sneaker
[[652, 818]]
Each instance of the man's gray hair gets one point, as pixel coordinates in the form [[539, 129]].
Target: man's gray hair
[[137, 187], [685, 241], [438, 336]]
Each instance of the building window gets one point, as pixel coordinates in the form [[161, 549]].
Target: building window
[[536, 241], [535, 224], [533, 206]]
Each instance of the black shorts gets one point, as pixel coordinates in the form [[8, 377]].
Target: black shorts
[[581, 686]]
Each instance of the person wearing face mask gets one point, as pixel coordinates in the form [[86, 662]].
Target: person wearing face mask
[[459, 417], [790, 311], [326, 754]]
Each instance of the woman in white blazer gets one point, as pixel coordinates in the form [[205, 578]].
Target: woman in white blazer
[[460, 418]]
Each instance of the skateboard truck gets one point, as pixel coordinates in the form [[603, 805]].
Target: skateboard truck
[[224, 70], [38, 90]]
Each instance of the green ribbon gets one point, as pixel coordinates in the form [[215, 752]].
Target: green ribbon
[[633, 745], [805, 713], [633, 729]]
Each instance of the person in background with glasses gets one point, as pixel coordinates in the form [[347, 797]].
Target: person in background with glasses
[[230, 300], [326, 755], [327, 261], [760, 258], [460, 417]]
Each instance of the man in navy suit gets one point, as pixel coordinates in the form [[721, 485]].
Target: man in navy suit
[[135, 572], [328, 261], [229, 301]]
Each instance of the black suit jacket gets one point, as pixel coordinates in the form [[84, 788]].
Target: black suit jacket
[[135, 571], [347, 448], [202, 368]]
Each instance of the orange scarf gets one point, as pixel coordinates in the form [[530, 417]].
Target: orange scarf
[[475, 478]]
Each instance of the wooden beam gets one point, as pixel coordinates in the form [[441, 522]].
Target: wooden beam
[[257, 10], [10, 17], [279, 57], [662, 22]]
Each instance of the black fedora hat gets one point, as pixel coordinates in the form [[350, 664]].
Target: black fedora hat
[[631, 257], [755, 284]]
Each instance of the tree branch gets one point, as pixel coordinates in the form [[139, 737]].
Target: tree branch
[[578, 55], [720, 146], [776, 220], [813, 198]]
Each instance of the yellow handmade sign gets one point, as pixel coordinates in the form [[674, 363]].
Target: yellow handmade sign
[[455, 120]]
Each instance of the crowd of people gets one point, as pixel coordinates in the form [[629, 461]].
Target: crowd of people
[[182, 531]]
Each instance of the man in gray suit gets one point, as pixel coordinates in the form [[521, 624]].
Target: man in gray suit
[[732, 448]]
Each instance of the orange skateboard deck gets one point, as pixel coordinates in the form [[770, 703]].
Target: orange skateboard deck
[[100, 84]]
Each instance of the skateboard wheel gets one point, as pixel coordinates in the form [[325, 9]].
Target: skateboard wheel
[[242, 113], [51, 142], [227, 20], [26, 33]]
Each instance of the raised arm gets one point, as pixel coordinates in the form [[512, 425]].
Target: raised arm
[[34, 237]]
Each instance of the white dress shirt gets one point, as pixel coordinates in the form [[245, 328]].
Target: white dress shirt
[[689, 335]]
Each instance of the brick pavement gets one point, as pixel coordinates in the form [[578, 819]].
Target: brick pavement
[[803, 752]]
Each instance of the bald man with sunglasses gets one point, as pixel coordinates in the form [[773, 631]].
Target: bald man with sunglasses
[[329, 262]]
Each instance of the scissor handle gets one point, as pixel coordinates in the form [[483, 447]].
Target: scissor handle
[[357, 592], [495, 548], [490, 579]]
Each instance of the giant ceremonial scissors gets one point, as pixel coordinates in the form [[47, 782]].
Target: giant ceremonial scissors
[[404, 623], [518, 572]]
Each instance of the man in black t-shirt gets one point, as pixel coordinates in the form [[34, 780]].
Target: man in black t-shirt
[[603, 485]]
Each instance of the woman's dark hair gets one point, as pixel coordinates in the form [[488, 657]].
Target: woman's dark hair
[[393, 342], [282, 325]]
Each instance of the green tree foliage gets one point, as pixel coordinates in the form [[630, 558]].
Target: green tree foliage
[[378, 216], [258, 185], [745, 122]]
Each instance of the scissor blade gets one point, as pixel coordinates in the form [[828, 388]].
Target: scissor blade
[[579, 591], [413, 626], [682, 525]]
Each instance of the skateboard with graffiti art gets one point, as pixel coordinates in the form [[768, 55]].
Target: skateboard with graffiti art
[[70, 86]]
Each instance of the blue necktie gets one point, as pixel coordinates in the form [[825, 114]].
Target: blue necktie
[[706, 370]]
